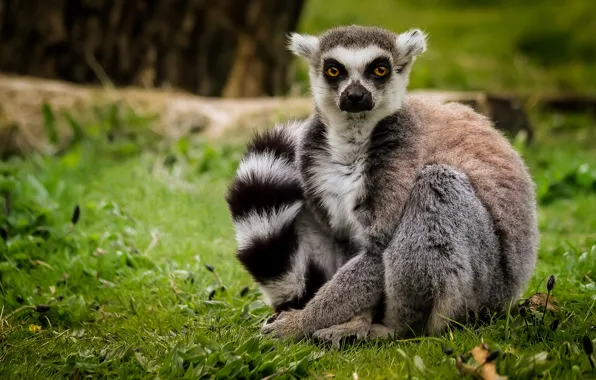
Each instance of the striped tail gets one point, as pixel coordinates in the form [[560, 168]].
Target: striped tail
[[265, 199]]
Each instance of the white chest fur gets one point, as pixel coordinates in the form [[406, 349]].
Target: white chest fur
[[340, 182]]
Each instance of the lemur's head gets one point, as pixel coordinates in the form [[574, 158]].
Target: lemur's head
[[358, 72]]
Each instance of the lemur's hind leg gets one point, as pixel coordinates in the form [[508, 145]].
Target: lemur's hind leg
[[444, 258]]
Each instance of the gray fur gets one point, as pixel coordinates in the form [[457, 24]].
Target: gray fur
[[358, 37], [443, 259], [433, 230]]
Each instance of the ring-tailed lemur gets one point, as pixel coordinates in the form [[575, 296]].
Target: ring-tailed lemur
[[381, 201]]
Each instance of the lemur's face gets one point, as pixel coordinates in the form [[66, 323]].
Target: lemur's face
[[356, 71], [355, 79]]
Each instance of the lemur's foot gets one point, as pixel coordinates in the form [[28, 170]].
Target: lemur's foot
[[378, 331], [358, 327]]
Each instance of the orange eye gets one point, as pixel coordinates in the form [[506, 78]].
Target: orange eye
[[332, 71], [381, 71]]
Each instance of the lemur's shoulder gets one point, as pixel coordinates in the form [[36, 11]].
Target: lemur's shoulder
[[434, 114], [455, 134]]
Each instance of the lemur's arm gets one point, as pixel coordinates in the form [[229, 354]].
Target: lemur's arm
[[356, 287], [359, 284]]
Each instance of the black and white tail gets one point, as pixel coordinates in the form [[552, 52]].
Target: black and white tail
[[266, 199]]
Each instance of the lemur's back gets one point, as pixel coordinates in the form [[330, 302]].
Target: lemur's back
[[456, 135]]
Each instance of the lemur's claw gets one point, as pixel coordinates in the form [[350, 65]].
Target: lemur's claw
[[357, 328], [287, 324]]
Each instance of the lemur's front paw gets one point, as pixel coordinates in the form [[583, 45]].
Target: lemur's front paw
[[378, 331], [288, 324], [357, 328]]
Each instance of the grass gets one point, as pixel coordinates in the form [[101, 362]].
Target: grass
[[128, 256], [117, 254]]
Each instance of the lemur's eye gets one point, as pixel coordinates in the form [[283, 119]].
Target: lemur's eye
[[333, 71], [381, 71]]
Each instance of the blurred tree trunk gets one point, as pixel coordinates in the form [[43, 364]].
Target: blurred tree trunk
[[234, 48]]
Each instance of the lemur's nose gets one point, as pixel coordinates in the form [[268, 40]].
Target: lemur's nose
[[356, 95], [356, 98]]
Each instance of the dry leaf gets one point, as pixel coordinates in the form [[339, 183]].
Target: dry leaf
[[174, 288], [322, 375], [463, 368], [488, 371], [484, 371], [538, 300], [42, 264]]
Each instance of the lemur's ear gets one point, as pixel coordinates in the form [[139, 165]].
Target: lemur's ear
[[411, 43], [303, 45]]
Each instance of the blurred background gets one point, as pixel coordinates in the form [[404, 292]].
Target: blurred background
[[236, 48]]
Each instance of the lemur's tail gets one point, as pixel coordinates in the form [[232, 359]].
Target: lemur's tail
[[265, 199]]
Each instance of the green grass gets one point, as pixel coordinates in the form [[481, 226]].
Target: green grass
[[145, 284], [498, 45]]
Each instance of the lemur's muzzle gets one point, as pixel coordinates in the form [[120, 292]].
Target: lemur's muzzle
[[356, 98]]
